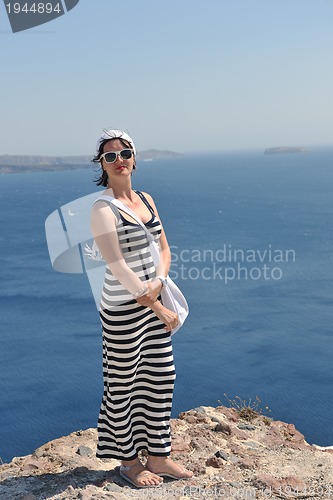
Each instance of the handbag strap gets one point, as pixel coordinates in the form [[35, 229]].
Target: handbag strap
[[153, 245]]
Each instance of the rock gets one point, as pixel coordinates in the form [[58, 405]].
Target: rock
[[194, 417], [280, 433], [200, 409], [198, 443], [40, 452], [252, 444], [30, 466], [246, 463], [218, 420], [238, 433], [230, 413], [113, 487], [232, 458], [84, 451], [266, 482], [246, 427], [222, 454], [224, 428], [292, 434], [237, 449], [215, 462]]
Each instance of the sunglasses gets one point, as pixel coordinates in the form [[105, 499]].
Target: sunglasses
[[110, 157]]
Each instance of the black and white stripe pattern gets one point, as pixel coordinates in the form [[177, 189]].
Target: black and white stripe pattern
[[138, 367]]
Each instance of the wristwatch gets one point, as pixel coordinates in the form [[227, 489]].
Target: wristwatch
[[163, 280]]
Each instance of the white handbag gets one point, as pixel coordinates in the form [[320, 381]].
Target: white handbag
[[172, 297]]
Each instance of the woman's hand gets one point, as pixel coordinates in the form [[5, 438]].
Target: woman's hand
[[169, 318], [150, 296], [149, 299]]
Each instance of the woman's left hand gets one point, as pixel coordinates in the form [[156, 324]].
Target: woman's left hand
[[151, 295]]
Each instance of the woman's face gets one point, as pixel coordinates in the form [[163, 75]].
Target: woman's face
[[120, 167]]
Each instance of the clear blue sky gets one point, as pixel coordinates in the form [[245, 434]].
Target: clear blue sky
[[185, 75]]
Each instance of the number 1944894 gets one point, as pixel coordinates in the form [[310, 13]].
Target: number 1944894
[[33, 8]]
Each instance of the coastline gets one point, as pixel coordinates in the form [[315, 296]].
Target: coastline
[[11, 164]]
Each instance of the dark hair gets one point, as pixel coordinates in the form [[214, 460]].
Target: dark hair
[[103, 177]]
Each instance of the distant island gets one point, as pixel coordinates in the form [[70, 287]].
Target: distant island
[[156, 154], [10, 164], [285, 149]]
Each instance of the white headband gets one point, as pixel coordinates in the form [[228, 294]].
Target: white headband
[[115, 134]]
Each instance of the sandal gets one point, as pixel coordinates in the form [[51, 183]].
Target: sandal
[[173, 476], [167, 474], [123, 469]]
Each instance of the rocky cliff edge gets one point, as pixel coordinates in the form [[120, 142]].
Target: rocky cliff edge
[[231, 458]]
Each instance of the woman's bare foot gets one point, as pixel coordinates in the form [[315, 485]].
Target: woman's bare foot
[[164, 466], [137, 474]]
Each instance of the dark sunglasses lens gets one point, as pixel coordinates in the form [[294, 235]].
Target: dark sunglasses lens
[[110, 157], [126, 154]]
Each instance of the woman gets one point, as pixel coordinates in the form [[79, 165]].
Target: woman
[[138, 367]]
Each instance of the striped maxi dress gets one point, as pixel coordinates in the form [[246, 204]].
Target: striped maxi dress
[[138, 365]]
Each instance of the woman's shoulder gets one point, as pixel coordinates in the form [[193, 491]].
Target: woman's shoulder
[[147, 196], [103, 202], [101, 209], [99, 205]]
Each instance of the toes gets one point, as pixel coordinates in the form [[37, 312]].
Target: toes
[[152, 482], [156, 479], [143, 481], [149, 481]]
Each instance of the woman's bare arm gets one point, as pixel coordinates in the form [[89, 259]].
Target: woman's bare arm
[[103, 227]]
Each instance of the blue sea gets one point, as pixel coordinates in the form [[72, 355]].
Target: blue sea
[[252, 244]]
